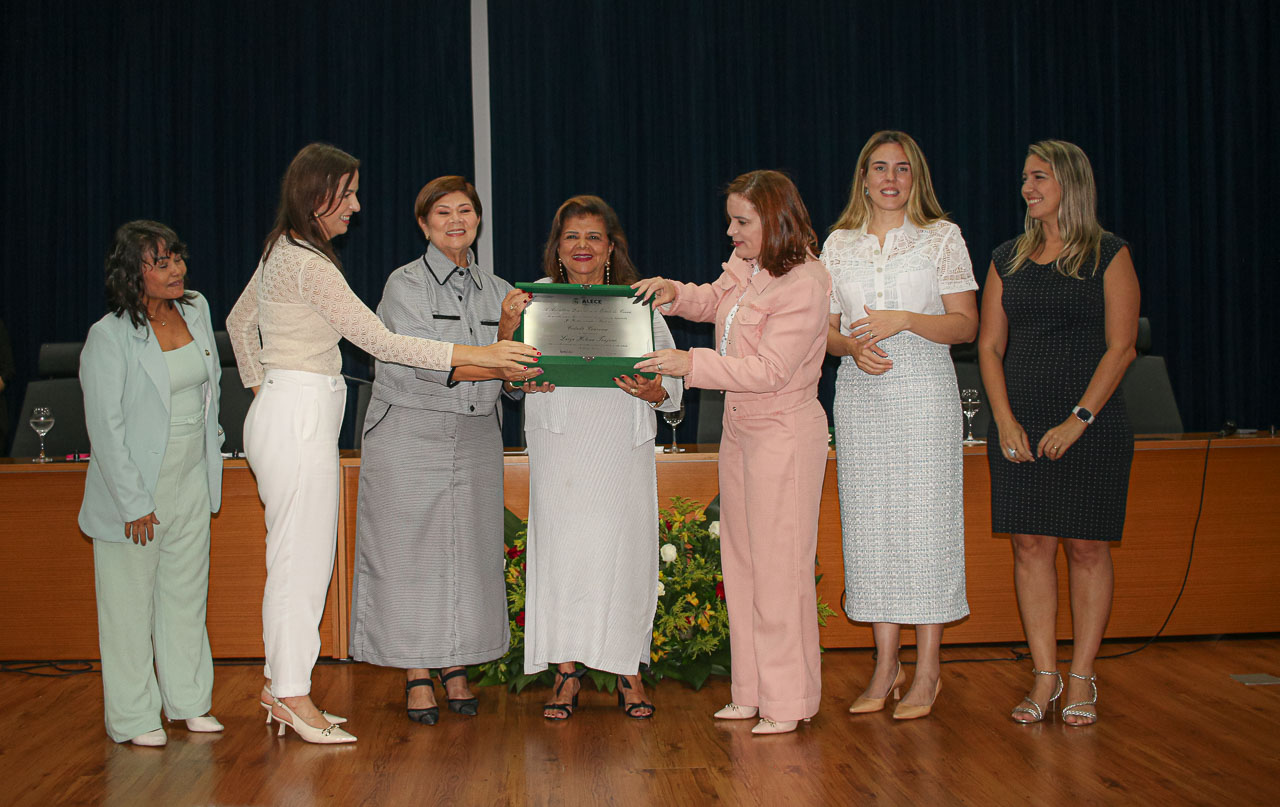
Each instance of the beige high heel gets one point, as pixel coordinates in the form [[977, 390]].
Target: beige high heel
[[1032, 708], [905, 712], [863, 705], [331, 734]]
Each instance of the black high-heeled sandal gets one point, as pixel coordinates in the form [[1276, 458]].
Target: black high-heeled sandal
[[462, 706], [631, 709], [566, 708], [428, 716]]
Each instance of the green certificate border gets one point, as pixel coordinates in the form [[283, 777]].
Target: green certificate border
[[576, 371]]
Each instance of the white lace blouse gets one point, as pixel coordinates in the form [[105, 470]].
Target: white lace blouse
[[911, 272], [302, 306]]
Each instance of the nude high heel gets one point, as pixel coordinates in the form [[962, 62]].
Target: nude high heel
[[905, 712], [867, 705], [329, 735]]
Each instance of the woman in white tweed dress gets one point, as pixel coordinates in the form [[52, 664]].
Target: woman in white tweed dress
[[592, 583], [902, 291]]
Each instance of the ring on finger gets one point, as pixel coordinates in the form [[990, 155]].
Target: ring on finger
[[1013, 452]]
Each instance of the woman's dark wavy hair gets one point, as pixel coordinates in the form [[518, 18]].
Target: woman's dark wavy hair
[[313, 184], [788, 238], [622, 271], [137, 243]]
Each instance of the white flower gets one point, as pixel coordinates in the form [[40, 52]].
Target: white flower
[[661, 588], [668, 553], [714, 528]]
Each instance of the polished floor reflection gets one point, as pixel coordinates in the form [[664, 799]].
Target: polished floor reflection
[[1175, 729]]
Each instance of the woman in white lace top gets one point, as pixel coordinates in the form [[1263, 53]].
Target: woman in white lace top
[[285, 330], [902, 291]]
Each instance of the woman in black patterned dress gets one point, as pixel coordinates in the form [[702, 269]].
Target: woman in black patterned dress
[[1059, 322]]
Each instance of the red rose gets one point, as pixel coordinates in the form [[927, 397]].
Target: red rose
[[720, 590], [514, 552], [520, 619], [668, 525]]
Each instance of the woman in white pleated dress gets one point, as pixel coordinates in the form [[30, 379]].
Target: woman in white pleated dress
[[592, 585]]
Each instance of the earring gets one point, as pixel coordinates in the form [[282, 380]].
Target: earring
[[564, 277], [606, 271], [866, 191]]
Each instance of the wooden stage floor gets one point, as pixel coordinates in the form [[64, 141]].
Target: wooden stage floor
[[1175, 729]]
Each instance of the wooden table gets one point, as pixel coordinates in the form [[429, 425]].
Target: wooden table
[[46, 565]]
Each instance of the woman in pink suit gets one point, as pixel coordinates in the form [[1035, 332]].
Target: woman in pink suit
[[770, 309]]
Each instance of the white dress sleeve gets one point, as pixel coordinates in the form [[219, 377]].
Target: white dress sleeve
[[955, 269]]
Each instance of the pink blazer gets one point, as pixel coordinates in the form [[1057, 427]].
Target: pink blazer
[[779, 336]]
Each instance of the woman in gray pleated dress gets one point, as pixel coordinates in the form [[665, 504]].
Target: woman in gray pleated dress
[[429, 591], [902, 291]]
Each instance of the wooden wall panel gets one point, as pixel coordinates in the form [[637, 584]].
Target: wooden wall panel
[[46, 565]]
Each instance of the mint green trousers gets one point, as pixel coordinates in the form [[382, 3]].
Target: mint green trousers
[[152, 600]]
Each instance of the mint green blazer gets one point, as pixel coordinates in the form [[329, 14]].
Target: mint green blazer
[[126, 407]]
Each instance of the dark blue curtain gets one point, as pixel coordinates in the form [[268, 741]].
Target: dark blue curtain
[[657, 105], [189, 113]]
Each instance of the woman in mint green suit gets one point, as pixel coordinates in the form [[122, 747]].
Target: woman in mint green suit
[[150, 375]]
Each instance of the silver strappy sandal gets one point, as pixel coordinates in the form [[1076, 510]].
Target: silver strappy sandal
[[1030, 707], [1074, 710]]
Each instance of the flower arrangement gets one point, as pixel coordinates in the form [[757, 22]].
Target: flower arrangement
[[690, 627]]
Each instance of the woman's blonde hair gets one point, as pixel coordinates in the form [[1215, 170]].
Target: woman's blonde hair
[[922, 205], [1077, 212]]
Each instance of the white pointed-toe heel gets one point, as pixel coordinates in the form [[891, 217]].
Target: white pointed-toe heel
[[337, 720], [733, 711], [767, 726], [204, 723], [156, 738], [328, 735]]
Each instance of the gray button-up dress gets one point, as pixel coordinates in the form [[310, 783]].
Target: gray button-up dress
[[429, 589]]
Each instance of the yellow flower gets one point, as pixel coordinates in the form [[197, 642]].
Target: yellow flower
[[703, 623], [692, 598], [659, 639]]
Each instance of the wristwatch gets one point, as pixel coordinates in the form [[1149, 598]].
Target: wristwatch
[[1085, 415]]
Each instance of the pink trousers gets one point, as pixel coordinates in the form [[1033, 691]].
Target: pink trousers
[[771, 468]]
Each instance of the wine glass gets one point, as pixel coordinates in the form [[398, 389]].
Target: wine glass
[[969, 403], [674, 419], [42, 421]]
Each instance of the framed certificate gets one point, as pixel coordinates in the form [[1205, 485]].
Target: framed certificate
[[587, 334]]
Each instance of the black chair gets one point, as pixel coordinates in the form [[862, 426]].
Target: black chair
[[710, 415], [59, 360], [1148, 395], [69, 435], [235, 398]]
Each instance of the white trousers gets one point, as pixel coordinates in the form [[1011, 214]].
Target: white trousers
[[291, 441]]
